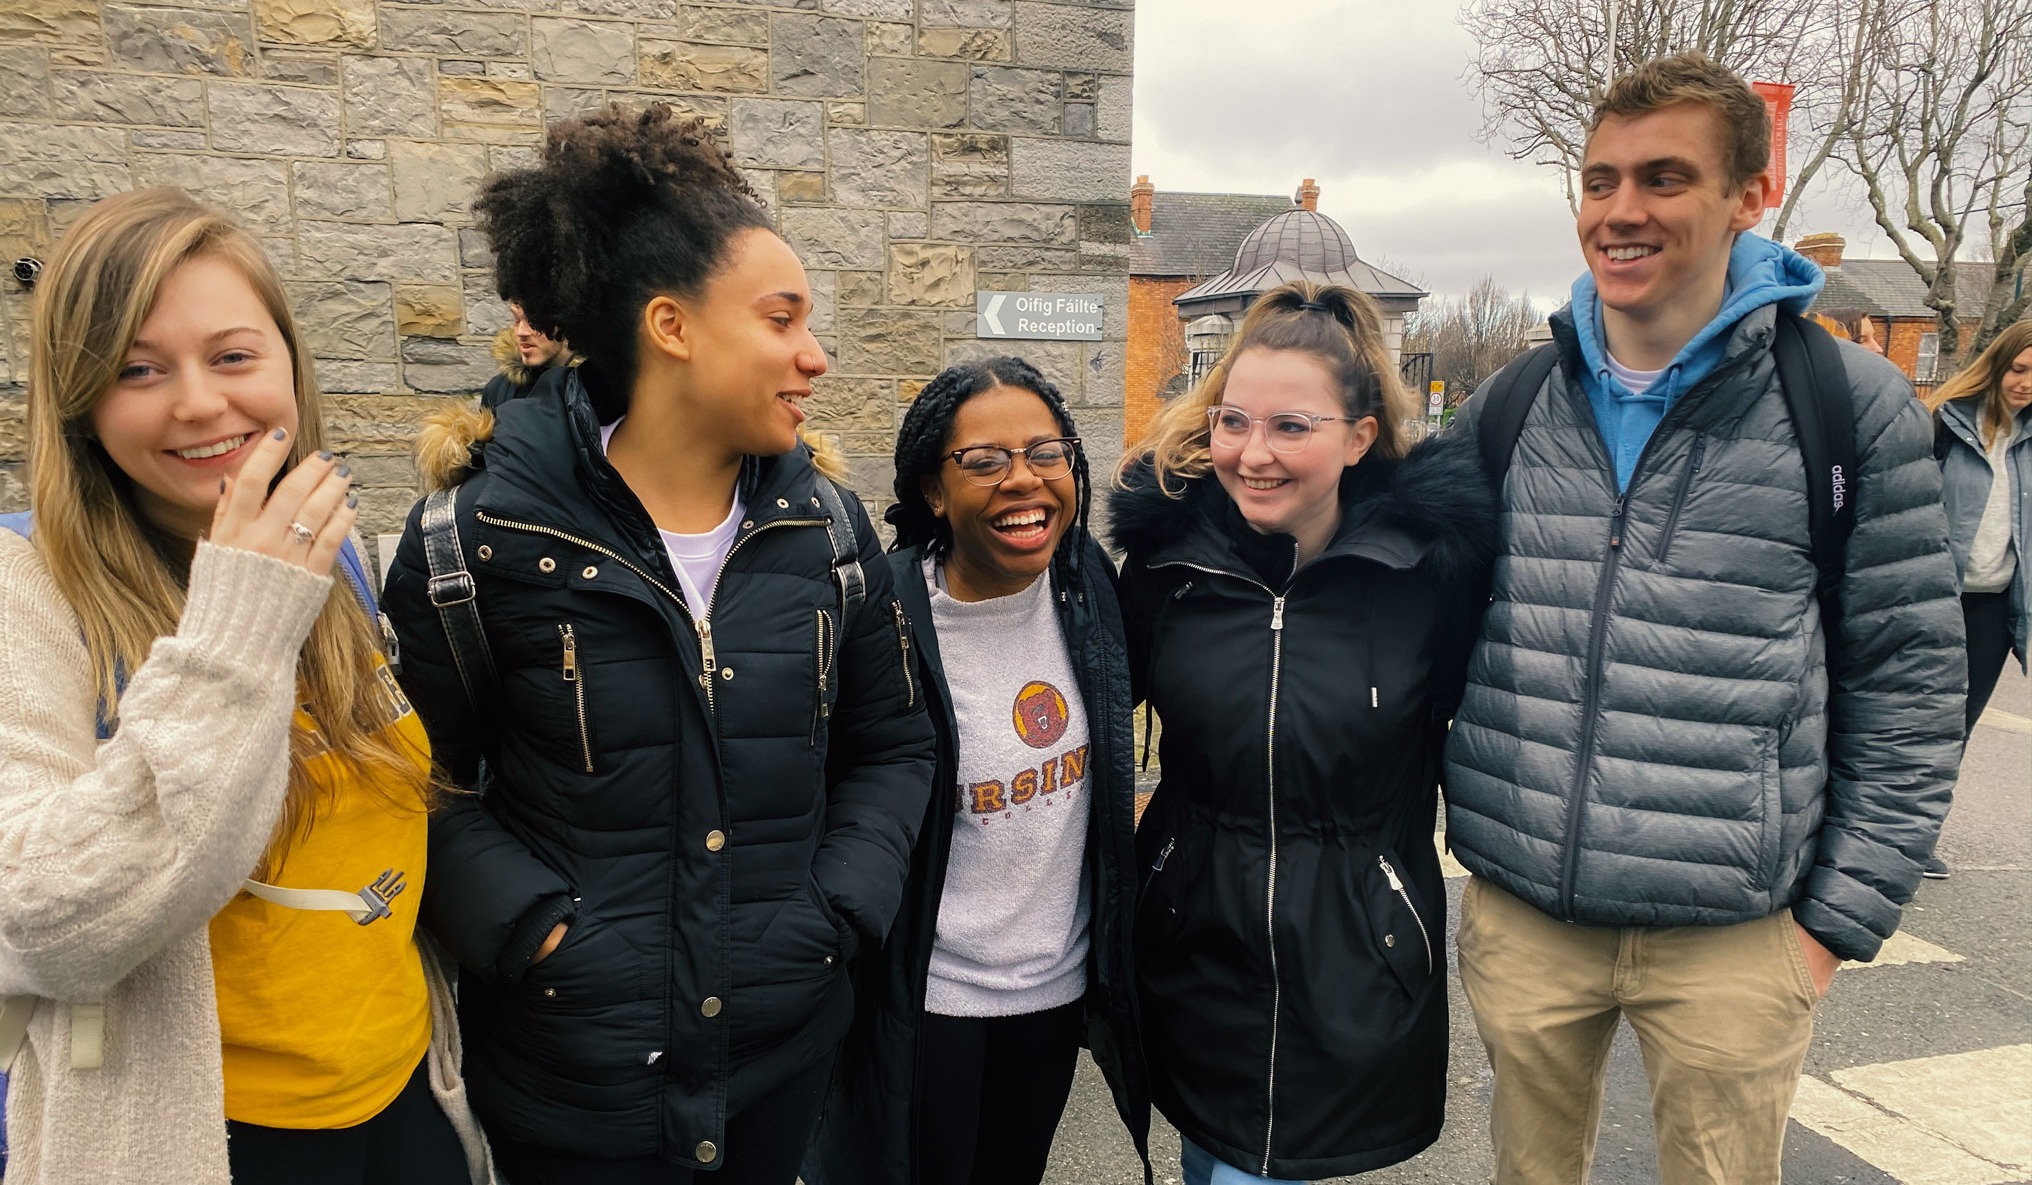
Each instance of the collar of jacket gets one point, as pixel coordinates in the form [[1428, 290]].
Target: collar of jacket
[[1433, 510], [549, 470], [1962, 415]]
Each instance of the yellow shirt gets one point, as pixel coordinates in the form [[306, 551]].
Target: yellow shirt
[[323, 1019]]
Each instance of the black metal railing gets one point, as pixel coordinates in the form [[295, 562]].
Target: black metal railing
[[1416, 371]]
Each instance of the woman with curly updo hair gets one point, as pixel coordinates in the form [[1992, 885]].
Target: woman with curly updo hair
[[673, 672], [1013, 946]]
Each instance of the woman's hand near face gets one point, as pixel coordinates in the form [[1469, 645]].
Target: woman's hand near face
[[304, 522]]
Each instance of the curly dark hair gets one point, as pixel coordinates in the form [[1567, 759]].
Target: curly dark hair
[[626, 205], [926, 434]]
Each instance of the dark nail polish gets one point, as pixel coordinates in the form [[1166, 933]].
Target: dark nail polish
[[282, 434], [324, 455], [352, 501], [344, 470]]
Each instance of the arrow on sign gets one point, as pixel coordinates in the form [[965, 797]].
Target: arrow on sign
[[989, 314]]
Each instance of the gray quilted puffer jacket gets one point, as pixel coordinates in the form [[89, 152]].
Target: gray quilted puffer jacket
[[1649, 736]]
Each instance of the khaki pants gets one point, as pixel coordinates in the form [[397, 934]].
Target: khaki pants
[[1723, 1014]]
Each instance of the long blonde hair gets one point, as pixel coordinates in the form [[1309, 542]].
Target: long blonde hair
[[1335, 324], [123, 576], [1985, 377]]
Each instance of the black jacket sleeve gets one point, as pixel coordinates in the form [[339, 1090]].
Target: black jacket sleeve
[[880, 756], [486, 898]]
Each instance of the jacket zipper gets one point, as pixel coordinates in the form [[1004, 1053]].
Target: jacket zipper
[[903, 644], [1270, 892], [1699, 452], [1590, 703], [822, 661], [1397, 887], [573, 677]]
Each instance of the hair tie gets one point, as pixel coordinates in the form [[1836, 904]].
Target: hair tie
[[1313, 306]]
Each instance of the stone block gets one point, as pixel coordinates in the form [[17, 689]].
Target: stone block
[[24, 230], [853, 405], [191, 140], [917, 93], [347, 192], [473, 249], [367, 150], [431, 364], [464, 34], [490, 109], [1102, 374], [969, 164], [1073, 38], [257, 191], [471, 68], [1079, 120], [563, 102], [1004, 222], [1105, 222], [778, 133], [316, 22], [1005, 99], [1026, 257], [1001, 282], [880, 168], [582, 51], [863, 289], [420, 252], [823, 300], [429, 310], [648, 10], [763, 182], [830, 237], [105, 97], [88, 56], [1057, 361], [514, 70], [889, 341], [264, 117], [930, 276], [702, 66], [1112, 110], [889, 40], [817, 57], [486, 313], [390, 96], [880, 10], [734, 26], [503, 157], [972, 45], [344, 319], [909, 224], [377, 424], [310, 69], [966, 14], [48, 20], [1066, 169], [1081, 87], [436, 182], [845, 114], [340, 375], [162, 40], [800, 187], [24, 80]]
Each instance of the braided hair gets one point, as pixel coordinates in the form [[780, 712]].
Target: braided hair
[[926, 436]]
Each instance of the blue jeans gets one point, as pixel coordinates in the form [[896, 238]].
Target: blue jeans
[[1201, 1168]]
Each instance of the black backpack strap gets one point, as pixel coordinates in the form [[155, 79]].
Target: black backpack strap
[[454, 594], [1506, 400], [847, 573], [1823, 413]]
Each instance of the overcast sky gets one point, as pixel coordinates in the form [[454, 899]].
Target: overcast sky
[[1370, 98]]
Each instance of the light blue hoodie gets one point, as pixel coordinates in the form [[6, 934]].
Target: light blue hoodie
[[1761, 273]]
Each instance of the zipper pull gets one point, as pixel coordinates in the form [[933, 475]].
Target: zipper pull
[[902, 627], [1699, 452], [1390, 874], [1616, 522], [1165, 854], [1277, 615], [571, 653], [704, 626]]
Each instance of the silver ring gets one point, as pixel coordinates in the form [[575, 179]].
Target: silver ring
[[303, 534]]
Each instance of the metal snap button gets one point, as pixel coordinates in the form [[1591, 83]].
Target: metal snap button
[[591, 571], [546, 564], [550, 993], [705, 1153], [747, 524], [1389, 940], [485, 553], [828, 960], [715, 840], [783, 503], [709, 1007], [814, 502], [726, 672]]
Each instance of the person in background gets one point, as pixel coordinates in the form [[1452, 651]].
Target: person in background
[[200, 748], [707, 757], [1299, 596], [526, 358], [1853, 324], [1983, 440], [1013, 946]]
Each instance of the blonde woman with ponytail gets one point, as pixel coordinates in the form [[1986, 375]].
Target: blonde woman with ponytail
[[1300, 591], [205, 766]]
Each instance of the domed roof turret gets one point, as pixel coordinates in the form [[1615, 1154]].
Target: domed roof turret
[[1295, 244], [1306, 238]]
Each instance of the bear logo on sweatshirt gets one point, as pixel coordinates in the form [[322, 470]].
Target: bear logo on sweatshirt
[[1040, 715]]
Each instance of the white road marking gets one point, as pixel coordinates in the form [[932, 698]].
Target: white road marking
[[1903, 949], [1903, 1149], [2008, 721], [1977, 1100]]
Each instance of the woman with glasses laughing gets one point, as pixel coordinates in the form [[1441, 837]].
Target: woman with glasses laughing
[[1300, 591], [1012, 948]]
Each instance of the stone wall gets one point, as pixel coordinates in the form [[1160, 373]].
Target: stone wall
[[912, 151]]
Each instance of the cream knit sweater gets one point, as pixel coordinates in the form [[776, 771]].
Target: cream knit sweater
[[115, 856]]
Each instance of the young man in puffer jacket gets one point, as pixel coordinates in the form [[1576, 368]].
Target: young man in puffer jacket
[[526, 357], [1673, 810]]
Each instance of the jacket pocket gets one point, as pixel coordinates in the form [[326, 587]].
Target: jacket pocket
[[1686, 479], [823, 645], [575, 675], [1400, 928], [1157, 906], [581, 1012]]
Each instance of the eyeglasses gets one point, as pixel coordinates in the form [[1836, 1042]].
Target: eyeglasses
[[988, 465], [1285, 432]]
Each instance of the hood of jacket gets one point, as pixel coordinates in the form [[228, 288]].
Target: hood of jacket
[[1433, 509], [508, 357]]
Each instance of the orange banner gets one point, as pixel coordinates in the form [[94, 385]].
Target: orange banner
[[1777, 98]]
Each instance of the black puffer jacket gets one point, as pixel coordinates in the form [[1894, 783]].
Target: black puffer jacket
[[1289, 939], [721, 839], [870, 1125]]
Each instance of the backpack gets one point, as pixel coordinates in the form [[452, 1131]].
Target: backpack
[[1823, 416]]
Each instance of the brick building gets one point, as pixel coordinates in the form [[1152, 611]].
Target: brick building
[[913, 152], [1890, 294]]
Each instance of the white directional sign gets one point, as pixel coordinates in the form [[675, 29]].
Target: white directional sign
[[1039, 316]]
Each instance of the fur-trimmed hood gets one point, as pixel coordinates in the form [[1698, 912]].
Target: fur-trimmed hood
[[508, 356], [1437, 499]]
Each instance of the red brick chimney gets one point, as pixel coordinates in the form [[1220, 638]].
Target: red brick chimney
[[1140, 196], [1824, 249], [1308, 195]]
